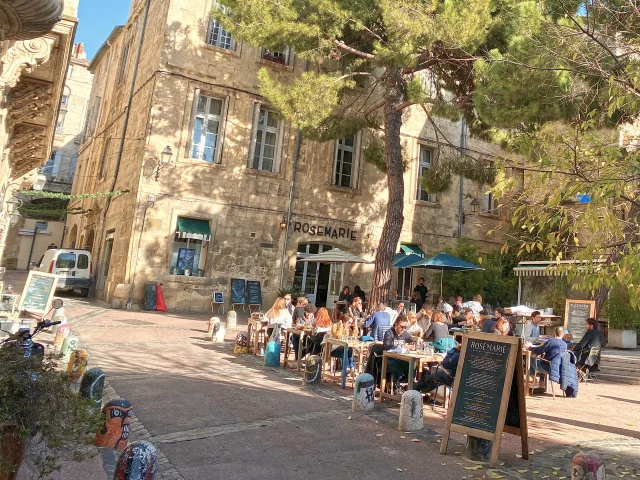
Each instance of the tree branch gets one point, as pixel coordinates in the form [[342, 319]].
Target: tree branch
[[343, 46]]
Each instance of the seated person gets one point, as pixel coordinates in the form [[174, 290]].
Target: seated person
[[278, 315], [298, 311], [465, 320], [423, 317], [551, 351], [444, 375], [307, 319], [398, 337], [378, 323], [356, 310], [321, 326], [489, 324], [438, 329], [417, 299], [592, 338], [475, 305], [345, 326], [532, 328], [414, 329], [503, 327]]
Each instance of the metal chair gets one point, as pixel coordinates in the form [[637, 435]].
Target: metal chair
[[593, 360], [545, 374], [447, 395]]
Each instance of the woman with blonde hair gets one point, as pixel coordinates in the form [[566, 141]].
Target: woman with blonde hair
[[348, 326], [438, 327], [278, 314], [414, 329], [424, 316]]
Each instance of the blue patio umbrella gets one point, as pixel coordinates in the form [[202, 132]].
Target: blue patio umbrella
[[443, 262]]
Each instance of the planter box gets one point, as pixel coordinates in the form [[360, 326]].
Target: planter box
[[622, 338]]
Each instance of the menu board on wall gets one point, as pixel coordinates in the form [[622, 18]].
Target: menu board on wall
[[238, 291], [254, 292], [576, 313], [488, 384], [38, 292]]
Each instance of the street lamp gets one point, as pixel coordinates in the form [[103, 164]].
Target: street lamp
[[283, 223], [475, 205], [13, 205], [40, 181], [165, 158]]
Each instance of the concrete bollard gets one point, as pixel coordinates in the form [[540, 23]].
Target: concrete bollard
[[363, 392], [411, 412], [92, 386], [63, 332], [69, 345], [139, 461], [587, 466], [212, 322], [242, 343], [114, 433], [58, 316], [478, 449], [218, 333], [77, 364], [232, 319], [312, 371], [272, 354]]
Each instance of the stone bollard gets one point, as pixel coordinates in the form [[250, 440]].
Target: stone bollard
[[63, 332], [69, 345], [114, 433], [232, 319], [77, 364], [272, 354], [312, 371], [587, 466], [411, 412], [242, 343], [58, 316], [139, 461], [364, 392], [213, 321], [478, 449], [218, 333], [92, 386]]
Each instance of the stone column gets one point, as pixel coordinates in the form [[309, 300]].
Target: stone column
[[411, 419], [363, 392]]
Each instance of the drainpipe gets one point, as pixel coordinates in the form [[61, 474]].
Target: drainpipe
[[463, 146], [296, 156], [103, 215]]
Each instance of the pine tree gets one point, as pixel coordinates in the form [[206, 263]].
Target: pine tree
[[388, 46]]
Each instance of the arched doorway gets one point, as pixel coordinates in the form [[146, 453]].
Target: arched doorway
[[314, 279], [73, 236], [90, 239]]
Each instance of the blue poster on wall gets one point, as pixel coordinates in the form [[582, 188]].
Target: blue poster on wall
[[185, 259]]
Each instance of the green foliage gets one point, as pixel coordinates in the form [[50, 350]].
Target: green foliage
[[496, 283], [294, 291], [37, 398], [618, 310], [373, 153]]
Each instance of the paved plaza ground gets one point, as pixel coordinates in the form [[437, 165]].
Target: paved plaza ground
[[213, 414]]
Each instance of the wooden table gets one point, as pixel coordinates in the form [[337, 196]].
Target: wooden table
[[254, 326], [287, 344], [347, 344], [410, 358]]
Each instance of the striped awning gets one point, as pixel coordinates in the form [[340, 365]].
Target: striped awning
[[194, 229], [548, 268]]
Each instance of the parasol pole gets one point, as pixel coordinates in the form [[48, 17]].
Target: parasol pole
[[441, 275]]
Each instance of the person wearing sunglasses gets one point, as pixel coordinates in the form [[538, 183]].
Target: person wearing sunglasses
[[395, 338]]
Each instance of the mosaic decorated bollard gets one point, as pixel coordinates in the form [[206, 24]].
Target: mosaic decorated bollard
[[92, 386], [478, 449], [218, 333], [587, 466], [63, 332], [139, 461], [411, 412], [242, 343], [213, 321], [114, 433], [363, 392], [272, 354], [77, 364], [232, 319], [312, 370], [69, 345], [58, 316]]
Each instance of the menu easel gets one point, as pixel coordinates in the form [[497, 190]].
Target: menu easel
[[483, 403], [576, 313], [38, 292]]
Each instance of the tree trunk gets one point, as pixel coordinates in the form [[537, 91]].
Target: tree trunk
[[381, 284]]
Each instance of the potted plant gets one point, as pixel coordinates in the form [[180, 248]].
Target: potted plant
[[624, 320], [39, 412]]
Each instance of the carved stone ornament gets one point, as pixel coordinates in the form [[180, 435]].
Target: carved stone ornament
[[30, 101], [27, 19], [23, 57]]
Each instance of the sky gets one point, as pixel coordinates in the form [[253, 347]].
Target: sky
[[97, 19]]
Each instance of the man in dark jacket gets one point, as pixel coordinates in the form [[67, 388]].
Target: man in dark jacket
[[551, 351], [593, 338], [445, 374]]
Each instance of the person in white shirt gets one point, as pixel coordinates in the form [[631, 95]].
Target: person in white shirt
[[532, 328], [475, 305], [278, 315]]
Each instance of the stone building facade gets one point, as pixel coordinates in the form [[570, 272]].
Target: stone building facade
[[36, 39], [218, 209]]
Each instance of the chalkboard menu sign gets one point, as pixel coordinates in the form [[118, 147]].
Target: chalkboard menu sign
[[38, 292], [480, 393], [488, 392], [576, 313], [238, 291], [254, 292]]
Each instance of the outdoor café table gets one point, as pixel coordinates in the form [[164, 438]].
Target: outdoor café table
[[347, 344], [411, 358], [254, 327], [287, 344]]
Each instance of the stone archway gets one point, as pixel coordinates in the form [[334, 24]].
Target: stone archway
[[90, 240], [73, 236]]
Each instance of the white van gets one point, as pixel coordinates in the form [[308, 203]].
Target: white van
[[74, 268]]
